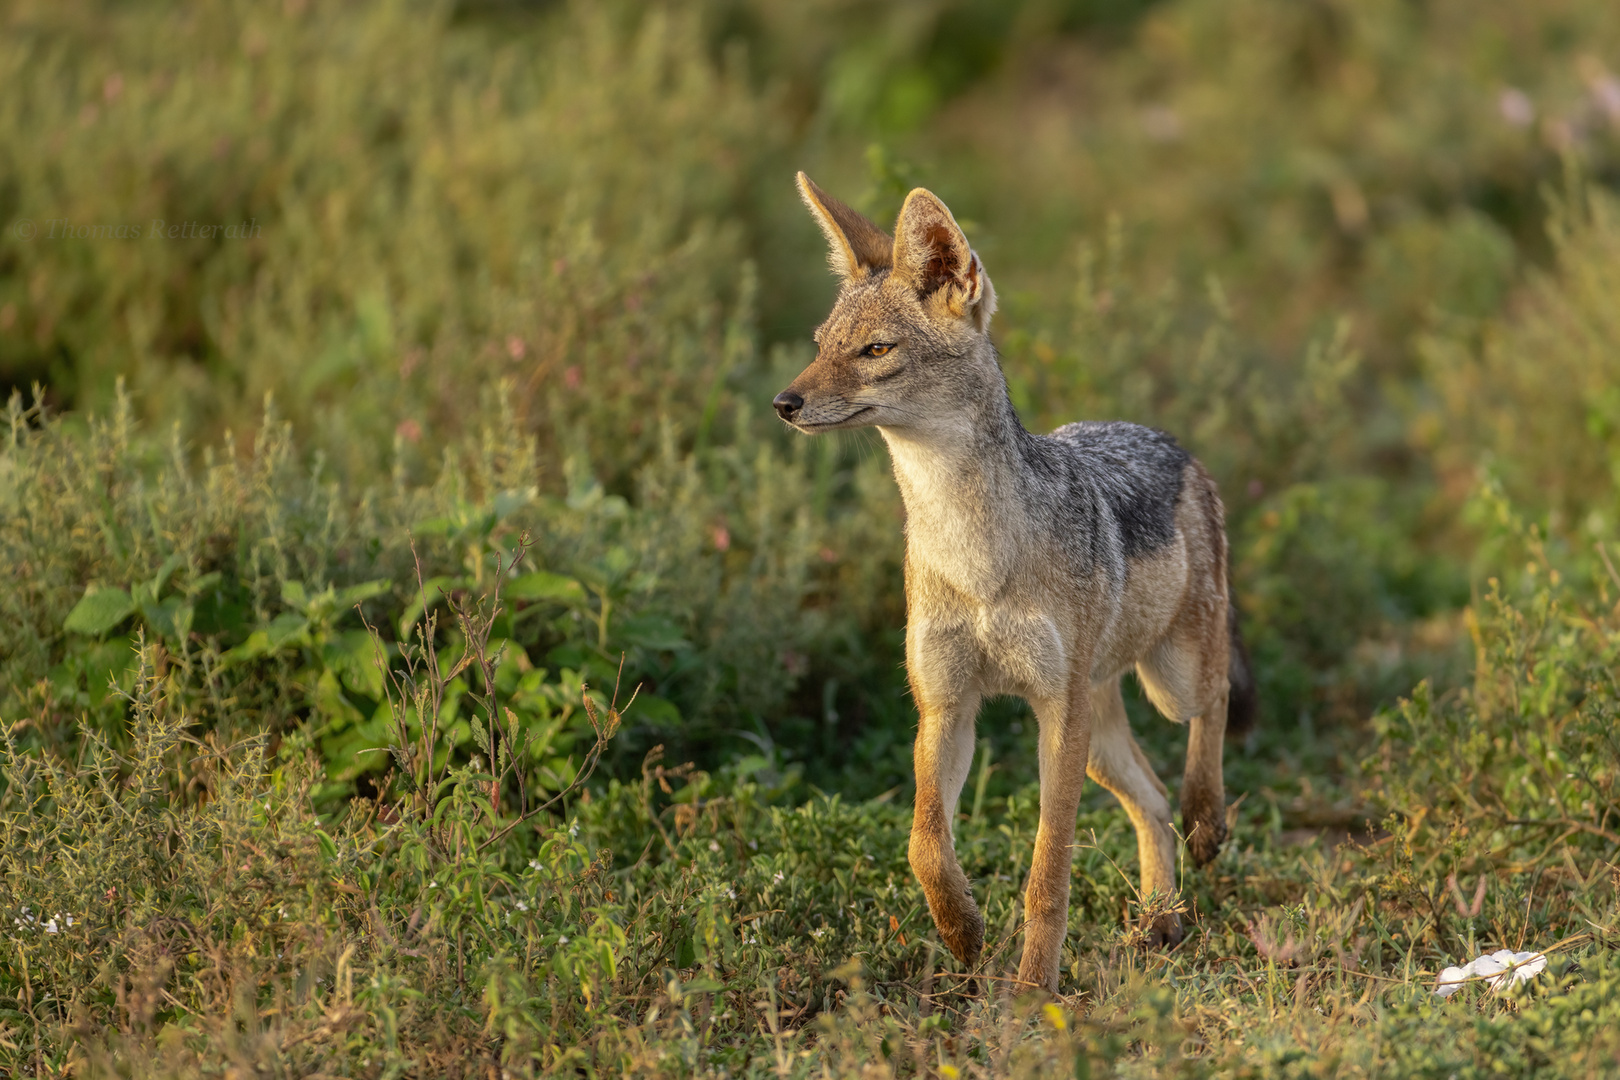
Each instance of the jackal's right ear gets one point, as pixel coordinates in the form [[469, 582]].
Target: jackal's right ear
[[858, 246]]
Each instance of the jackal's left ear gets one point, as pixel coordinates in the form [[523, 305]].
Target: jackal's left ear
[[932, 254], [857, 246]]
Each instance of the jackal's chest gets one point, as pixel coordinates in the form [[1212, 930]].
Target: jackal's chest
[[989, 649]]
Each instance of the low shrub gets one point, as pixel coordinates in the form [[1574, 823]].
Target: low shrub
[[264, 575]]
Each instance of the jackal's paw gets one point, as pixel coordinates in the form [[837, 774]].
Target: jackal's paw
[[1164, 932], [963, 933], [1034, 972], [1205, 842], [1205, 822]]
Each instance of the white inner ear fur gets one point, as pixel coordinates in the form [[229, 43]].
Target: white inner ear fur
[[927, 235], [969, 295]]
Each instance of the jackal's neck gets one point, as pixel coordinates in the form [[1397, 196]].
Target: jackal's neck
[[960, 476]]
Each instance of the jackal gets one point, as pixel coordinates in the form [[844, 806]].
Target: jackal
[[1041, 566]]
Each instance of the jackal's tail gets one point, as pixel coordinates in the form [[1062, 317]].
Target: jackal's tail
[[1243, 699]]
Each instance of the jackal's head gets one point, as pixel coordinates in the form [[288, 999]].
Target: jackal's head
[[908, 338]]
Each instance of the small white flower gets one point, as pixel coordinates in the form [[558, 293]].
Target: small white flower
[[534, 864], [753, 845], [731, 894], [778, 876], [562, 939], [433, 884], [573, 830], [1500, 970], [818, 931], [70, 921], [521, 906], [51, 927], [714, 845]]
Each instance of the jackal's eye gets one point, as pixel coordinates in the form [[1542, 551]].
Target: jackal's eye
[[877, 350]]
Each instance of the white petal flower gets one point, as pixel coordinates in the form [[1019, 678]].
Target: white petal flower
[[1452, 980], [51, 927], [1512, 967], [1499, 970]]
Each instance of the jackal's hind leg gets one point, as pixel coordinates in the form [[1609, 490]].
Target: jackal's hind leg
[[942, 756], [1118, 764], [1185, 677], [1203, 791]]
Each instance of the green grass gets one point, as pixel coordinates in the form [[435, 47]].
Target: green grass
[[327, 548], [696, 923]]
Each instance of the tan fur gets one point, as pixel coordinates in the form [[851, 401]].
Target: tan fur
[[994, 604]]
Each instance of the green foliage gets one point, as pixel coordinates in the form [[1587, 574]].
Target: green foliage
[[1537, 394], [329, 533], [1528, 758], [590, 200], [267, 577], [692, 923], [428, 213]]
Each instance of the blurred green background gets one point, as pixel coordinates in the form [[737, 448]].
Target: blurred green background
[[540, 268]]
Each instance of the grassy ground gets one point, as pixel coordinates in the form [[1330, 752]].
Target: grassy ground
[[692, 923], [329, 545]]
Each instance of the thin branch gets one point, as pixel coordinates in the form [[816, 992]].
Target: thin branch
[[605, 730]]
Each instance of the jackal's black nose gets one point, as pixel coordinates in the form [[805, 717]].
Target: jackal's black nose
[[788, 404]]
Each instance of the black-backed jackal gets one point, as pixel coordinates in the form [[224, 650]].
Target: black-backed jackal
[[1036, 565]]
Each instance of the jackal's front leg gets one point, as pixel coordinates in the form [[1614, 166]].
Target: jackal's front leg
[[943, 755], [1065, 746]]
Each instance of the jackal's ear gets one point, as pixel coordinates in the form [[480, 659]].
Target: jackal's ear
[[858, 246], [932, 255]]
